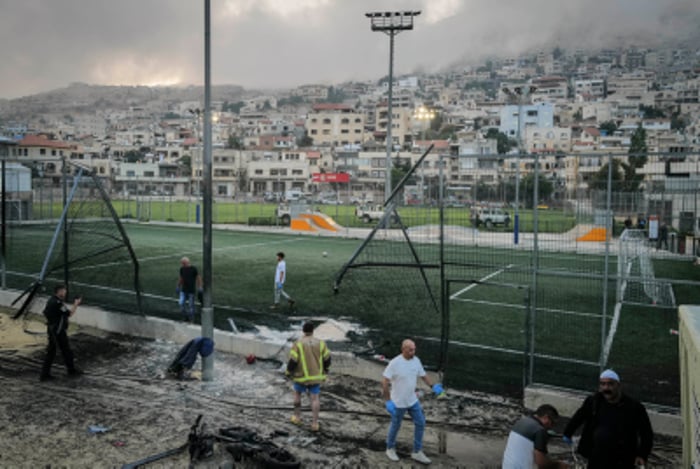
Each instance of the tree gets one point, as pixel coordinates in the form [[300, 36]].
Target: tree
[[232, 107], [234, 142], [527, 188], [608, 126], [185, 164], [650, 112], [503, 143], [638, 147], [133, 156], [305, 141], [624, 178]]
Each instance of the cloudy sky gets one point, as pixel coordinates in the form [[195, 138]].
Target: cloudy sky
[[47, 44]]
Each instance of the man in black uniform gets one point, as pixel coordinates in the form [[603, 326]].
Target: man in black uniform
[[189, 284], [616, 428], [57, 314]]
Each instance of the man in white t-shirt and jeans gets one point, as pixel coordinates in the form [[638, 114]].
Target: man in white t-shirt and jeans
[[403, 372], [280, 278]]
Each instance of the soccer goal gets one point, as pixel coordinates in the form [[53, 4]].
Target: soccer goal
[[636, 283], [87, 248]]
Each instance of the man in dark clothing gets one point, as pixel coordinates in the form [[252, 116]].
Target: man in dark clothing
[[188, 285], [616, 428], [187, 356], [57, 314], [663, 237]]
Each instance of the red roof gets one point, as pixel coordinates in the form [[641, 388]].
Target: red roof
[[331, 107], [42, 141], [313, 155], [592, 131]]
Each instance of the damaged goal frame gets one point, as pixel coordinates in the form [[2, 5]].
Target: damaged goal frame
[[61, 228], [390, 214]]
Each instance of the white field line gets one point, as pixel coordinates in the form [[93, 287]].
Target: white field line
[[179, 255], [489, 276], [611, 333]]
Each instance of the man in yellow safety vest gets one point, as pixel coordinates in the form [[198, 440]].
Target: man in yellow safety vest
[[308, 364]]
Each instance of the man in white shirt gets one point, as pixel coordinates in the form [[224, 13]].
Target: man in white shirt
[[402, 373], [280, 277]]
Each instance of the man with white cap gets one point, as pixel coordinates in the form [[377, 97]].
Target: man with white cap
[[616, 428]]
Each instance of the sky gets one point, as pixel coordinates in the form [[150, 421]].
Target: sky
[[47, 44]]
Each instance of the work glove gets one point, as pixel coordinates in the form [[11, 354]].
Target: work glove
[[567, 440], [278, 285], [438, 390], [390, 407]]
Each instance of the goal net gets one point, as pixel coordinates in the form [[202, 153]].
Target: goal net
[[87, 249], [636, 283]]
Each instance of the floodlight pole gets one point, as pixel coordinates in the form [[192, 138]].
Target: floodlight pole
[[520, 93], [207, 310], [390, 23]]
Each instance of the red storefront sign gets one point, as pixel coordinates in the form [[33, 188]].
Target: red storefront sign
[[330, 177]]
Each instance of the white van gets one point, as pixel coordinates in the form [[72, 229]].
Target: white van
[[293, 195]]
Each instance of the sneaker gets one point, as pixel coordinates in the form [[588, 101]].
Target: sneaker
[[315, 427], [291, 303], [274, 306], [420, 457], [295, 420], [391, 454], [44, 378]]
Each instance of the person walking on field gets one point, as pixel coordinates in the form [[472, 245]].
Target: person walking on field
[[309, 361], [401, 375], [616, 428], [527, 442], [280, 278], [188, 285], [57, 314]]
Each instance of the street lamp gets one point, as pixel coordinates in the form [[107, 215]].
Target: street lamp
[[423, 114], [390, 23], [519, 92]]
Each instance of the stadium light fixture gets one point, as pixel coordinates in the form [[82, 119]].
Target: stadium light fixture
[[390, 23]]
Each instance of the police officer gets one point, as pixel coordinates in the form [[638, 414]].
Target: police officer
[[57, 314]]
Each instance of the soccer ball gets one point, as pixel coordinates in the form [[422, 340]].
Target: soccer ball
[[325, 254]]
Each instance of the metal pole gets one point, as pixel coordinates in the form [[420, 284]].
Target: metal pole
[[535, 268], [207, 310], [606, 273], [516, 215], [389, 138], [3, 235]]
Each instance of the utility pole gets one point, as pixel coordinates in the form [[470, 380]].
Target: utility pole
[[390, 23]]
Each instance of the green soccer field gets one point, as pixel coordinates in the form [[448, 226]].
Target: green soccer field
[[505, 325]]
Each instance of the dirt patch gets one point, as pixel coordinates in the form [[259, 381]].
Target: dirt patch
[[125, 392]]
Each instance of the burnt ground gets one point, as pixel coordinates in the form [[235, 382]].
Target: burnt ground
[[146, 412]]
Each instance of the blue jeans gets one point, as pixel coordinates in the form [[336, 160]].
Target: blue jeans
[[189, 299], [416, 413]]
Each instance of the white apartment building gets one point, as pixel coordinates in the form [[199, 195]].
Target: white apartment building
[[547, 139], [330, 124], [278, 171], [533, 115], [594, 88], [401, 124], [550, 89], [149, 179]]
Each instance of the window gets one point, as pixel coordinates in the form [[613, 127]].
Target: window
[[326, 121], [130, 174], [345, 120], [42, 151], [148, 174], [221, 190], [258, 171]]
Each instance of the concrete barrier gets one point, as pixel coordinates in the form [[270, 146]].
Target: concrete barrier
[[664, 422]]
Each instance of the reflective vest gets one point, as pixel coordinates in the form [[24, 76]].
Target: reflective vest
[[309, 353]]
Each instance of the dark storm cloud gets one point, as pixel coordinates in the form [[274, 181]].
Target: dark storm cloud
[[275, 43]]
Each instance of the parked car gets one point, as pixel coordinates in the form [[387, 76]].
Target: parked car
[[489, 216]]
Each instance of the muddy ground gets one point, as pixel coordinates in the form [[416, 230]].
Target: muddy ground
[[126, 392]]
